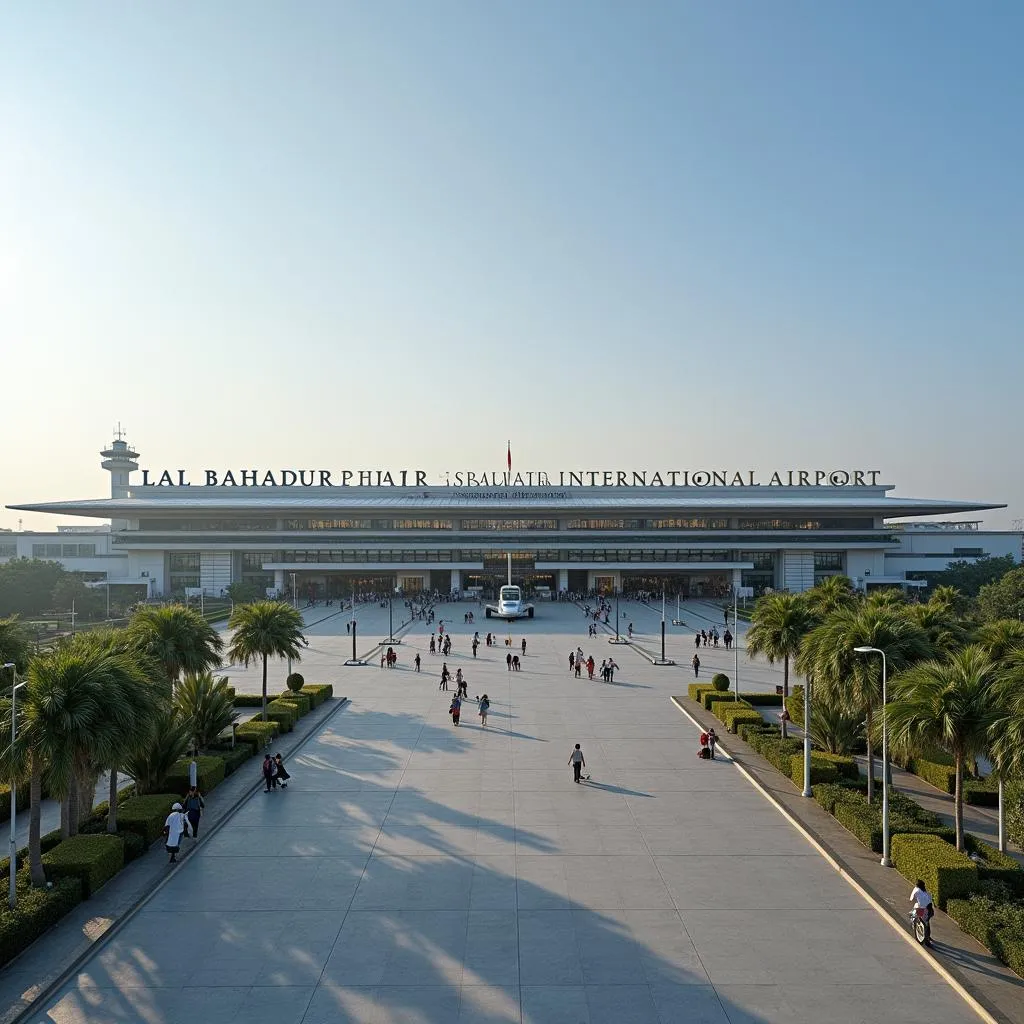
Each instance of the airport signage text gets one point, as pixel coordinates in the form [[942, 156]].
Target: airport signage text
[[470, 480]]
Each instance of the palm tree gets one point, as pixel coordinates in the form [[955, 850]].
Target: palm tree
[[15, 646], [828, 596], [851, 680], [205, 705], [953, 704], [946, 630], [178, 637], [778, 625], [1001, 639], [262, 630], [835, 728], [149, 763]]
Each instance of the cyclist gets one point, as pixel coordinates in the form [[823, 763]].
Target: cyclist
[[924, 907]]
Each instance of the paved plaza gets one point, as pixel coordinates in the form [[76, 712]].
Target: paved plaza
[[417, 872]]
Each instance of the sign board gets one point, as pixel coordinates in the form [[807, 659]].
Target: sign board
[[744, 592]]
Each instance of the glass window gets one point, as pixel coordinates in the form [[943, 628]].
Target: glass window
[[831, 561], [184, 561], [688, 524], [509, 524], [54, 550], [422, 524], [604, 524], [8, 550], [761, 559]]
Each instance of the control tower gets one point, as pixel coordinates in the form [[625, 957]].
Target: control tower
[[119, 460]]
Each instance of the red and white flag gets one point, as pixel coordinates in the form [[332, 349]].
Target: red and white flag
[[510, 456]]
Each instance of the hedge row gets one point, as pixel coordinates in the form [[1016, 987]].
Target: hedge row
[[21, 796], [315, 693], [936, 770], [764, 700], [947, 873], [995, 866], [92, 859], [256, 733], [35, 911], [696, 691], [209, 773], [145, 815], [319, 692], [998, 924], [774, 749], [825, 768]]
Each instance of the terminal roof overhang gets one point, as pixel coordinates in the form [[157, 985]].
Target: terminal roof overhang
[[332, 500]]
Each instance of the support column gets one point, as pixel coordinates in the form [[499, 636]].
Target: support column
[[456, 579], [563, 580], [279, 580], [737, 579]]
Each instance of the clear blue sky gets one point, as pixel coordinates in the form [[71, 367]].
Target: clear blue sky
[[683, 235]]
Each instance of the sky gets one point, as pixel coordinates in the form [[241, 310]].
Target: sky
[[623, 236]]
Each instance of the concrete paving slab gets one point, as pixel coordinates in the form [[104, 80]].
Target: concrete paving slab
[[418, 872]]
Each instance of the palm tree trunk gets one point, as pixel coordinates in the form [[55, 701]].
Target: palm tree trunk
[[958, 801], [264, 687], [871, 757], [112, 803], [65, 816], [785, 691], [35, 794]]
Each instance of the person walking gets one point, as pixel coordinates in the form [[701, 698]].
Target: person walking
[[508, 660], [282, 772], [485, 706], [455, 709], [577, 761], [572, 660], [194, 809], [416, 661], [445, 676], [696, 666], [174, 826], [269, 781], [524, 646]]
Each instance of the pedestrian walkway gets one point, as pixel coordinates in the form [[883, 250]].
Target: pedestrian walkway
[[414, 871]]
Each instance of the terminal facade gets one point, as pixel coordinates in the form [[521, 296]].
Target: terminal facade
[[699, 539]]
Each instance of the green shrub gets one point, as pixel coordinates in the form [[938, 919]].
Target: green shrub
[[863, 820], [753, 729], [763, 700], [719, 707], [995, 866], [209, 773], [795, 703], [230, 691], [946, 872], [294, 681], [937, 770], [145, 815], [284, 713], [720, 681], [828, 794], [696, 691], [134, 845], [1013, 798], [319, 692], [734, 717], [982, 792], [93, 859], [824, 767], [21, 796], [777, 751], [709, 697], [234, 759], [248, 700], [996, 921], [258, 733], [36, 910], [303, 701]]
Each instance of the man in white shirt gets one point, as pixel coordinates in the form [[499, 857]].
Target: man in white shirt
[[176, 824], [577, 762], [922, 902]]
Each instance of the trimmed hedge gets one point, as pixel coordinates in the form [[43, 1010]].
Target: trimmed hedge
[[734, 717], [795, 703], [719, 707], [46, 843], [763, 700], [696, 691], [751, 729], [824, 768], [145, 815], [249, 700], [303, 701], [234, 759], [937, 770], [709, 697], [21, 798], [946, 872], [982, 792], [720, 681], [995, 866], [257, 733], [209, 773], [284, 713], [776, 750], [996, 924], [92, 859], [35, 912], [319, 692]]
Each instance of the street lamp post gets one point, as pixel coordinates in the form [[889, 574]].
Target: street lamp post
[[12, 890], [663, 623], [885, 755]]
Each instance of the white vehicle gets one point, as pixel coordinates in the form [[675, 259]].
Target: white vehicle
[[510, 605], [510, 602]]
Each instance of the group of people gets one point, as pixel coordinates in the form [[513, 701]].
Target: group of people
[[390, 659], [460, 679], [483, 707], [709, 638], [577, 663], [442, 644]]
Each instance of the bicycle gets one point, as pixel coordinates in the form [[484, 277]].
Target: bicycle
[[921, 926]]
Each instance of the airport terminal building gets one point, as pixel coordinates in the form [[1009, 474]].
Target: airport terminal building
[[695, 533]]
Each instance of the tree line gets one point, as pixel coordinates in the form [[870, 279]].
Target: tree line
[[131, 700]]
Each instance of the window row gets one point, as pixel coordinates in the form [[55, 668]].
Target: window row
[[63, 550]]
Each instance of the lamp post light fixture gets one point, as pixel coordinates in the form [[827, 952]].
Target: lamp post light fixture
[[885, 756], [12, 890]]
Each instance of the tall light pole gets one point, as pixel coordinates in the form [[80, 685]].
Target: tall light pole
[[885, 755], [735, 646], [12, 889], [663, 621], [295, 596]]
